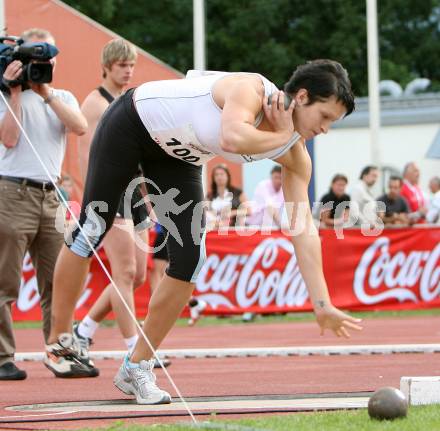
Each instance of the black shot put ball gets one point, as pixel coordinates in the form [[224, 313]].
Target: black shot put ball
[[387, 403]]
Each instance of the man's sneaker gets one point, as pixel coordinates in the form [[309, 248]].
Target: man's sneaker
[[195, 311], [63, 360], [82, 345], [140, 382]]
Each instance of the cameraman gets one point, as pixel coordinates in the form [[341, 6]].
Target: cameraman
[[28, 201]]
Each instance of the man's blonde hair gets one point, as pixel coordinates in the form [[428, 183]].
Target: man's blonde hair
[[39, 33], [117, 50]]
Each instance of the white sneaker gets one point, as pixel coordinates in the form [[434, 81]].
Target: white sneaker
[[140, 382], [63, 360], [196, 311], [82, 345]]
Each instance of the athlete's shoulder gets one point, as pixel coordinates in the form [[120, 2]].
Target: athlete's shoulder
[[241, 85]]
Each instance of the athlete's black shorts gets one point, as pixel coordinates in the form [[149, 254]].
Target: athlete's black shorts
[[138, 213], [120, 144]]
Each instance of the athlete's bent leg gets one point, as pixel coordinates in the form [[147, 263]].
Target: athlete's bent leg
[[176, 192], [185, 250], [166, 304]]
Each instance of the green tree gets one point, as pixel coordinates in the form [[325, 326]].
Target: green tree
[[410, 39], [272, 37]]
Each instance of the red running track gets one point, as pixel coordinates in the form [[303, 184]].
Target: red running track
[[235, 376]]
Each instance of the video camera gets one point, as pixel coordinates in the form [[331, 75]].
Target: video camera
[[35, 57]]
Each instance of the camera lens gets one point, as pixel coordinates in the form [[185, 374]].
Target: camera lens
[[39, 73], [35, 74]]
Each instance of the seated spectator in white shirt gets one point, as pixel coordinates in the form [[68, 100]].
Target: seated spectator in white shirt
[[268, 201], [227, 204], [396, 209], [362, 196], [335, 204], [433, 215]]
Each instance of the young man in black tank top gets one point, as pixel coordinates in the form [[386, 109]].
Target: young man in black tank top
[[127, 261]]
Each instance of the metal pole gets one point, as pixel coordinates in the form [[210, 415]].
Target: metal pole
[[2, 18], [373, 81], [199, 54], [199, 34]]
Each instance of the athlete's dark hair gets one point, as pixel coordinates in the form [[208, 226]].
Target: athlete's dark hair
[[322, 79]]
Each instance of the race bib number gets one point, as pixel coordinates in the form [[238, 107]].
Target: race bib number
[[182, 144]]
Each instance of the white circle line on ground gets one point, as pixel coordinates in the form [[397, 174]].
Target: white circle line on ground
[[228, 405], [235, 352], [67, 412]]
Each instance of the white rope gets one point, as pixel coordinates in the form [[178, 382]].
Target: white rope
[[133, 317]]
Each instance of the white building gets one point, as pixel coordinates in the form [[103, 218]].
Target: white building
[[410, 125]]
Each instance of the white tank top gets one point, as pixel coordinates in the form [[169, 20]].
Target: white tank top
[[183, 119]]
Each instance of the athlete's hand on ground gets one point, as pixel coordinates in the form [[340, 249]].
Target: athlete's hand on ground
[[340, 323], [280, 119]]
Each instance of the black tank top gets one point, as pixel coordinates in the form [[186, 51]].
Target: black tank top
[[105, 94]]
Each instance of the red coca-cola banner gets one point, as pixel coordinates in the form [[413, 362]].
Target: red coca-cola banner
[[27, 306], [400, 269]]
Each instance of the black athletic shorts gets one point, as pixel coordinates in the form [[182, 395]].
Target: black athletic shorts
[[138, 213], [119, 145]]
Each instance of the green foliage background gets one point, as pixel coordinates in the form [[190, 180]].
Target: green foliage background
[[273, 36]]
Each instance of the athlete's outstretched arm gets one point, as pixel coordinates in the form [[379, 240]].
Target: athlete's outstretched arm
[[296, 173]]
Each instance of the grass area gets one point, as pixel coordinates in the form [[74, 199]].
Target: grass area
[[419, 418], [275, 318]]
